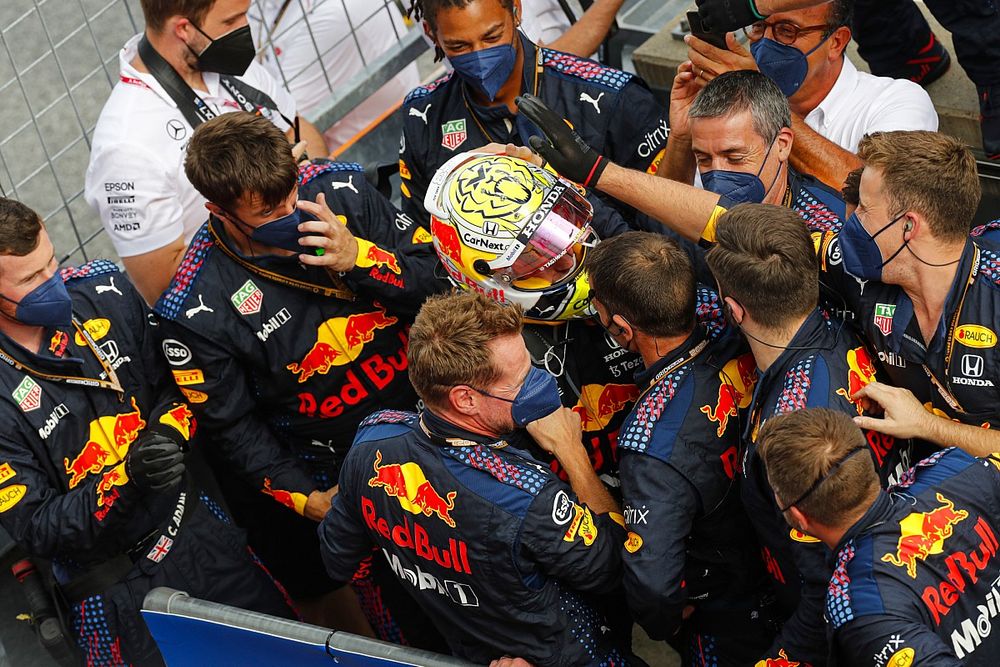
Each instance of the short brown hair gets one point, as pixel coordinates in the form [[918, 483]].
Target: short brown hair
[[764, 258], [240, 154], [156, 12], [19, 228], [448, 343], [647, 279], [927, 172], [799, 448]]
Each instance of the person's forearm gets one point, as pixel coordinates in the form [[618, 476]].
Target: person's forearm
[[313, 137], [683, 208], [583, 37], [678, 161], [817, 156], [584, 481], [774, 6], [973, 439]]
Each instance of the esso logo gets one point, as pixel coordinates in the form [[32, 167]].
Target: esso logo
[[176, 352]]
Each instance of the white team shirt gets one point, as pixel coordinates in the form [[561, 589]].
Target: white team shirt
[[543, 20], [289, 53], [135, 180], [860, 103]]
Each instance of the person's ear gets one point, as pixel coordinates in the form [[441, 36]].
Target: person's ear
[[215, 209], [736, 311], [463, 400], [783, 143], [622, 327], [839, 41]]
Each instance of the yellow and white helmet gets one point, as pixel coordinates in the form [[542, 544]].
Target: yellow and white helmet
[[513, 231]]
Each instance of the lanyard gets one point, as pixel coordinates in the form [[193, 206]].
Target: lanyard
[[534, 91], [194, 109], [695, 351], [111, 383], [942, 388], [339, 290]]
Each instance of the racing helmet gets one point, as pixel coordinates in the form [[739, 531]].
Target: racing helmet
[[514, 232]]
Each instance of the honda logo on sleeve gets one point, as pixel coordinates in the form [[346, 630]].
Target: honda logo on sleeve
[[972, 365]]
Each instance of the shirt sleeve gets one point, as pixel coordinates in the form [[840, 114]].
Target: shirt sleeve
[[662, 505], [865, 640], [904, 105], [343, 538], [136, 197], [567, 541]]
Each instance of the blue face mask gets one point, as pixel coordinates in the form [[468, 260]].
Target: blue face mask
[[48, 305], [488, 69], [785, 65], [283, 232], [738, 186], [538, 397], [862, 258]]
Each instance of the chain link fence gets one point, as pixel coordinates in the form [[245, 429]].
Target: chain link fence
[[59, 62]]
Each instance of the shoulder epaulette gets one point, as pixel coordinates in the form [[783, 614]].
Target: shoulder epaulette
[[585, 70], [389, 417], [637, 435], [312, 170], [708, 312], [504, 470], [839, 609], [425, 90], [817, 213], [795, 390], [989, 265], [170, 303], [92, 269], [984, 229]]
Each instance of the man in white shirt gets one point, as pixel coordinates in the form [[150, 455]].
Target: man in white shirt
[[546, 23], [833, 104], [204, 66], [307, 44]]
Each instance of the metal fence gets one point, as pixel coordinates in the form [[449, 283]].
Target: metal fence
[[59, 62]]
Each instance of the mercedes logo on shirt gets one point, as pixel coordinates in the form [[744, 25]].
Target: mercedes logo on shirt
[[176, 129]]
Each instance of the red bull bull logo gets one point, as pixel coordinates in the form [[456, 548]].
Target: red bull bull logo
[[861, 373], [181, 419], [781, 661], [290, 499], [406, 483], [340, 341], [446, 241], [923, 534], [107, 494], [599, 403], [380, 258], [110, 438], [736, 382]]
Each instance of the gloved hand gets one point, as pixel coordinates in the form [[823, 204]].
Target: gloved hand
[[561, 147], [154, 462], [728, 15]]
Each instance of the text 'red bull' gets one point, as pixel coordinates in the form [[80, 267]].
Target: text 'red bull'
[[962, 569], [923, 534], [416, 538], [406, 483]]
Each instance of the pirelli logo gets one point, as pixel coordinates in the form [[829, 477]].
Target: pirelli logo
[[189, 377]]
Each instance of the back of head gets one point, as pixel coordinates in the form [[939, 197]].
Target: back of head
[[740, 91], [764, 258], [647, 279], [19, 228], [803, 447], [449, 343], [237, 154], [156, 12], [927, 172], [426, 10]]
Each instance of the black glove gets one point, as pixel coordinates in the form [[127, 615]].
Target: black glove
[[562, 147], [727, 15], [154, 462]]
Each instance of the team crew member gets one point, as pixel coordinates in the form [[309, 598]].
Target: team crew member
[[833, 104], [924, 292], [689, 542], [494, 63], [916, 578], [494, 547], [481, 205], [281, 351], [805, 360], [195, 60], [92, 471]]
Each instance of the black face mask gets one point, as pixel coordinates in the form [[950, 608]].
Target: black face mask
[[230, 54]]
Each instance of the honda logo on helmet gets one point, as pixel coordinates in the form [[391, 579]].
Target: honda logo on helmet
[[972, 365]]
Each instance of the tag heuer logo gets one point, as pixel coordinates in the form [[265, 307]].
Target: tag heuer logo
[[883, 317], [453, 134], [28, 395], [248, 298]]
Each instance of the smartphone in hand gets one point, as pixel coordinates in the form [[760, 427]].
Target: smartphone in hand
[[716, 39]]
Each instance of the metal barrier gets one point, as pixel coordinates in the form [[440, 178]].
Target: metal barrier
[[59, 62]]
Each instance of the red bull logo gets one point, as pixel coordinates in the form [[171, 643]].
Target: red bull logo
[[446, 241], [736, 382], [290, 499], [110, 438], [861, 373], [58, 343], [340, 341], [382, 259], [781, 661], [599, 403], [181, 419], [406, 483], [962, 570], [923, 534], [107, 494]]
